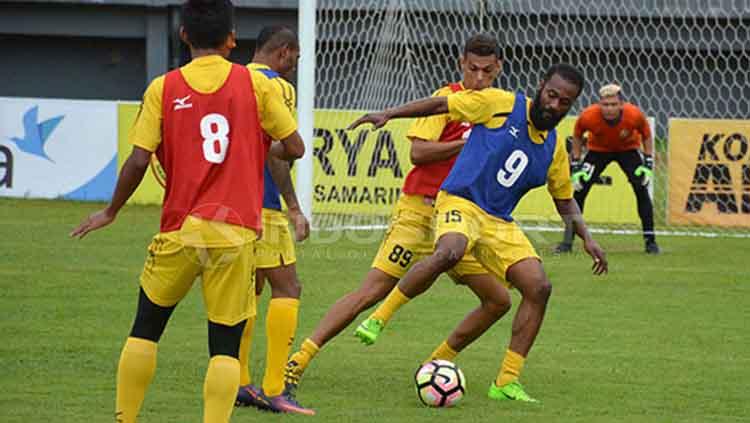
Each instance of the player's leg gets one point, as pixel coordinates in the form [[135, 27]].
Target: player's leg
[[223, 373], [270, 252], [281, 324], [629, 162], [594, 164], [408, 237], [228, 293], [246, 343], [529, 278], [456, 229], [494, 303], [504, 249], [167, 276], [376, 285], [448, 252]]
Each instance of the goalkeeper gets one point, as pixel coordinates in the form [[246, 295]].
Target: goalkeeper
[[616, 131]]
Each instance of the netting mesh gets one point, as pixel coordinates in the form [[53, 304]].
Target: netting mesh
[[674, 58]]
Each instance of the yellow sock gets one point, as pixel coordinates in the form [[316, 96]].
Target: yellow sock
[[511, 368], [245, 346], [443, 352], [281, 323], [306, 353], [134, 373], [390, 305], [220, 388]]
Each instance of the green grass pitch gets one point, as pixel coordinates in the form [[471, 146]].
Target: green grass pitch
[[660, 339]]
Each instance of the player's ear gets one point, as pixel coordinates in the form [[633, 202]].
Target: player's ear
[[461, 61], [183, 35], [284, 51], [232, 40]]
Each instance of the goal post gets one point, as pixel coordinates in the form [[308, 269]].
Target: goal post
[[683, 60]]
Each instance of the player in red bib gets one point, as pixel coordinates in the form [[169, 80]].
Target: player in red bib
[[436, 142], [205, 122]]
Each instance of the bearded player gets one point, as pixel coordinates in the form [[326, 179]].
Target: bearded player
[[512, 149]]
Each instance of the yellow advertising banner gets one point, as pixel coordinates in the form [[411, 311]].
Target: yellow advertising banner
[[150, 191], [361, 172], [709, 172]]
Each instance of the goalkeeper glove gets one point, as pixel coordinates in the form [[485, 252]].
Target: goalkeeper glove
[[579, 173], [646, 170]]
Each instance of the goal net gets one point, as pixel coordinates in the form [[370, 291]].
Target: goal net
[[683, 62]]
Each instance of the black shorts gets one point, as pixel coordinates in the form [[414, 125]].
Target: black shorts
[[595, 162]]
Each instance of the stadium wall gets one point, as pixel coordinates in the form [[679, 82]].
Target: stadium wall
[[107, 50]]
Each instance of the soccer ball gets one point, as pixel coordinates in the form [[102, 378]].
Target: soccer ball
[[440, 383]]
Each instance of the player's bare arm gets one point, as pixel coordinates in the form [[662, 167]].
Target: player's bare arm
[[571, 214], [423, 151], [289, 148], [130, 177], [279, 170], [419, 108]]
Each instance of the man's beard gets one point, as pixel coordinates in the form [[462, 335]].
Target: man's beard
[[543, 120]]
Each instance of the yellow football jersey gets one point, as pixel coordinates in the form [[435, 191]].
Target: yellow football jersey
[[431, 127], [283, 88]]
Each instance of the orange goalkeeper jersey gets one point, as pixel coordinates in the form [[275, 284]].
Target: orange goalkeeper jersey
[[626, 134]]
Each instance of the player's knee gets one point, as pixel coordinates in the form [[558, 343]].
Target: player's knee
[[287, 289], [368, 296], [501, 306], [445, 258], [150, 319], [543, 290], [225, 340], [498, 305], [294, 290]]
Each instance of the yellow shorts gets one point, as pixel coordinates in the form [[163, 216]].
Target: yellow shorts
[[410, 237], [227, 273], [495, 243], [275, 247]]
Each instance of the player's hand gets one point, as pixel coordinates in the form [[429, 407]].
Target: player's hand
[[593, 249], [95, 221], [580, 173], [646, 170], [377, 119], [575, 166], [300, 223]]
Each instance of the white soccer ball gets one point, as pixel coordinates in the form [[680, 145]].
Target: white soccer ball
[[440, 383]]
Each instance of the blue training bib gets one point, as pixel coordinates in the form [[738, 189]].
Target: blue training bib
[[497, 167]]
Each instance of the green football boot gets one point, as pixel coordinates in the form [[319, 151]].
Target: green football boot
[[368, 330], [510, 391]]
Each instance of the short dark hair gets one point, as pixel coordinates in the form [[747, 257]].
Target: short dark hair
[[567, 72], [482, 44], [207, 23], [271, 38]]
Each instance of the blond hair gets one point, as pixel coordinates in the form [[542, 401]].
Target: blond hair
[[609, 90]]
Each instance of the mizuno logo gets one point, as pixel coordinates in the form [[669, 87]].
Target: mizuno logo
[[513, 132], [182, 103]]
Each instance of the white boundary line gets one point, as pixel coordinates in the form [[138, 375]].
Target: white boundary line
[[535, 228]]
